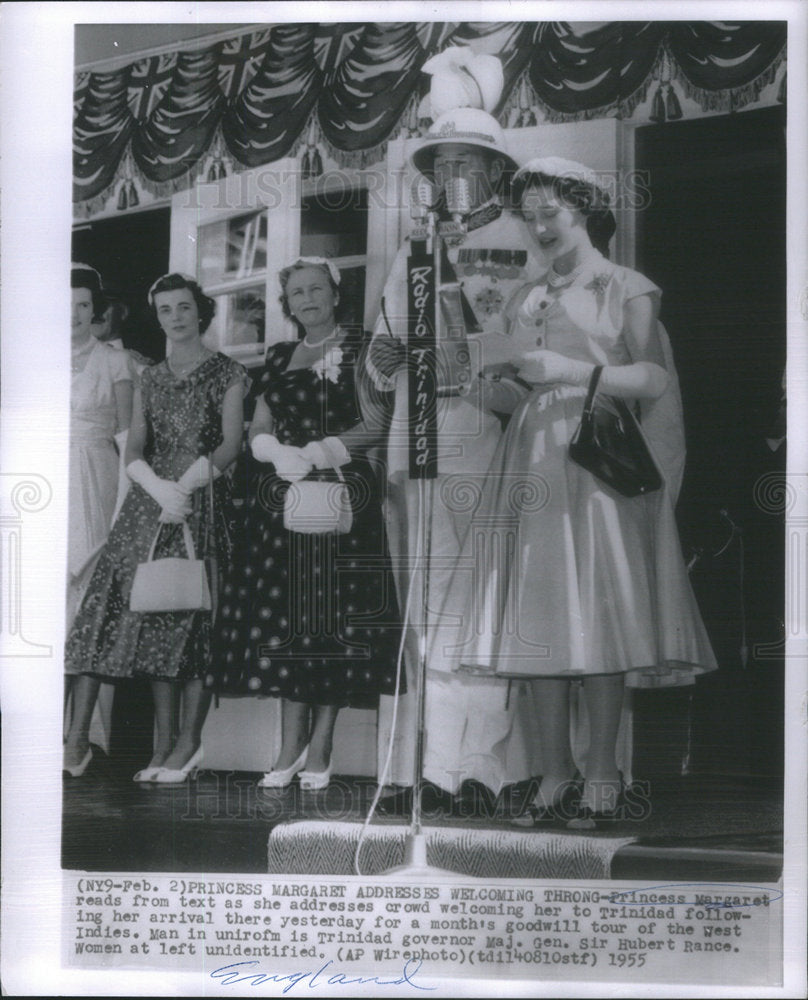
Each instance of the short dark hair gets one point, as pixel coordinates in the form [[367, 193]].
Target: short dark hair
[[285, 274], [118, 308], [205, 305], [85, 276], [588, 199]]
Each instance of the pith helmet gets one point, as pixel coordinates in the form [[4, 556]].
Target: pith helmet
[[468, 126]]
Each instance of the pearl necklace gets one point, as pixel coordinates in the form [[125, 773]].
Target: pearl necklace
[[556, 280], [307, 342]]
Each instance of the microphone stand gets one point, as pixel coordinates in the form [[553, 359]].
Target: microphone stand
[[415, 854]]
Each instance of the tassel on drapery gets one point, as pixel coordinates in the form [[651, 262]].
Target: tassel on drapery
[[665, 105], [673, 109], [657, 113], [219, 160], [311, 163], [127, 193]]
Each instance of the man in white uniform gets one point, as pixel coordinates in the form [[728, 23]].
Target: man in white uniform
[[478, 729]]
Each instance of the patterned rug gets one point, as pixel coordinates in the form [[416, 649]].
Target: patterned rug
[[316, 848]]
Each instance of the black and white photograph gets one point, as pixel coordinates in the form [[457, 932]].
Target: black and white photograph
[[403, 571]]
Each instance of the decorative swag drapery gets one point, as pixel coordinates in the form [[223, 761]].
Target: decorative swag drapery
[[260, 95]]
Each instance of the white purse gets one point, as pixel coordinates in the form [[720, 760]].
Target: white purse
[[315, 508], [173, 583]]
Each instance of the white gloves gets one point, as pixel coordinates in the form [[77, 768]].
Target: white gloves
[[197, 475], [171, 496], [546, 367], [293, 464], [330, 453], [290, 463]]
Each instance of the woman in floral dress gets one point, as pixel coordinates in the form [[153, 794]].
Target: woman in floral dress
[[186, 427], [309, 618]]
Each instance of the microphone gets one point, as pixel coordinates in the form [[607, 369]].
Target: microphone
[[458, 199], [422, 197]]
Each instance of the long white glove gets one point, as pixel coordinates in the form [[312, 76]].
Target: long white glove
[[640, 380], [197, 475], [330, 453], [172, 498], [290, 463], [545, 367]]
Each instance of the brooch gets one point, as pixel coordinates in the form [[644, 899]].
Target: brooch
[[328, 367], [599, 282]]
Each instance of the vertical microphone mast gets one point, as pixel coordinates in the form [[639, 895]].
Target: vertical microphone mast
[[423, 307]]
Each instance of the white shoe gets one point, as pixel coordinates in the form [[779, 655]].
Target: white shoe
[[280, 779], [147, 774], [176, 776], [77, 770], [315, 781]]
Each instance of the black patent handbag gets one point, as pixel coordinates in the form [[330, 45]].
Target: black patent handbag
[[609, 444]]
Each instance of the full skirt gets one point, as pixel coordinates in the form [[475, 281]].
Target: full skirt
[[567, 576]]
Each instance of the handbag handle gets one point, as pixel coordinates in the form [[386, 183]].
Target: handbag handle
[[590, 395], [186, 535]]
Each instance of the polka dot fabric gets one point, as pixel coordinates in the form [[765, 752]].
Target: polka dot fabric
[[311, 618], [184, 419]]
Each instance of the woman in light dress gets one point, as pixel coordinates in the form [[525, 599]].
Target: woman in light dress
[[582, 583], [100, 412]]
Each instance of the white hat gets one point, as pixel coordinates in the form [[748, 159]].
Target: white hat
[[468, 126], [557, 166], [323, 262], [464, 90], [461, 79]]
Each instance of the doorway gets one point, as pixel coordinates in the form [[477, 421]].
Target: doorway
[[130, 252], [713, 237]]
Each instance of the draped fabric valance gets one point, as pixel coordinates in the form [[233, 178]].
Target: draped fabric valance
[[258, 97]]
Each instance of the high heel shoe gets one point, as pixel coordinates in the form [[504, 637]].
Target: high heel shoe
[[280, 779], [176, 776], [587, 818], [560, 811], [147, 774], [315, 781], [77, 770]]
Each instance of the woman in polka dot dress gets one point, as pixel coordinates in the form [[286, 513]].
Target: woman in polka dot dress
[[310, 618]]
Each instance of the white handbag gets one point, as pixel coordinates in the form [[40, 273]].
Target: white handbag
[[316, 508], [173, 583]]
